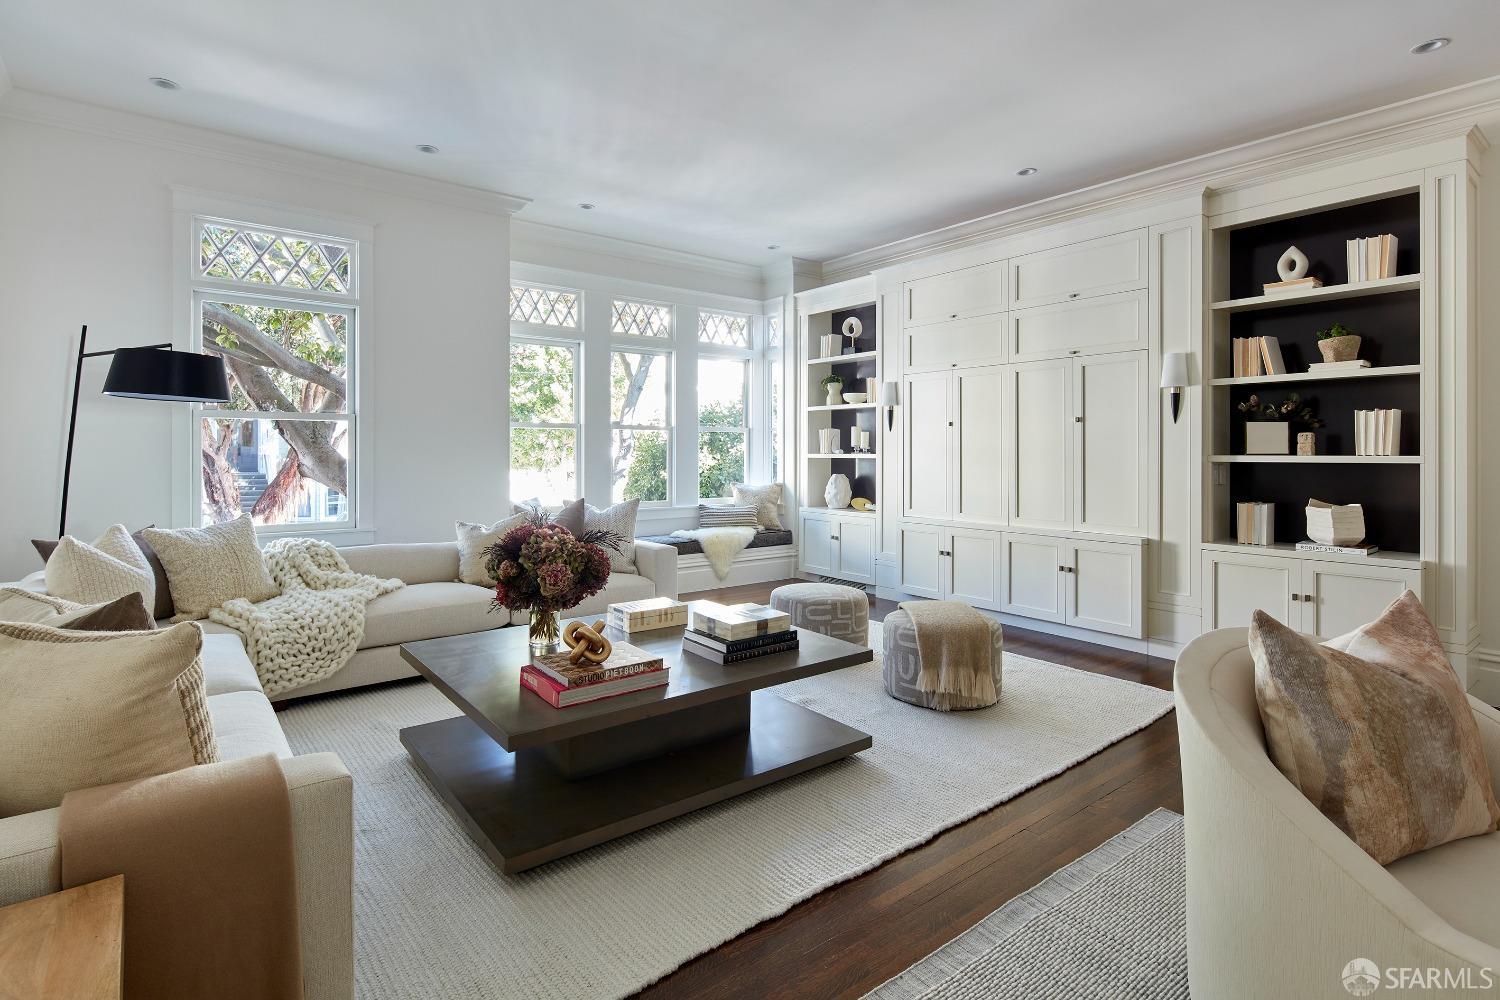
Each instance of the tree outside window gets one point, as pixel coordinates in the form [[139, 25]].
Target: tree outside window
[[543, 421], [722, 385], [640, 425]]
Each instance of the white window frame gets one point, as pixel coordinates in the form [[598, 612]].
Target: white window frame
[[551, 329], [659, 347], [715, 352], [576, 346], [190, 209]]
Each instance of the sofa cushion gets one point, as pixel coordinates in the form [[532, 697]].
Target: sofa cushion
[[619, 520], [93, 574], [1460, 881], [427, 611], [226, 667], [208, 566], [474, 541], [691, 546], [621, 587], [124, 614], [413, 562], [245, 724]]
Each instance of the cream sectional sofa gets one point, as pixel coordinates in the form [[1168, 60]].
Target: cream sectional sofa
[[322, 795], [434, 603], [1278, 898]]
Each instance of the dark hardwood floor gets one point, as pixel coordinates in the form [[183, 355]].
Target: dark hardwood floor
[[852, 937]]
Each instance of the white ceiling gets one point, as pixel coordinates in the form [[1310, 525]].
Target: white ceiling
[[721, 126]]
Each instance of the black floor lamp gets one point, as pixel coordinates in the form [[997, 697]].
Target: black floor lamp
[[152, 372]]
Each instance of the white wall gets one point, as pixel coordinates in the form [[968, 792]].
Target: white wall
[[1489, 401], [85, 237]]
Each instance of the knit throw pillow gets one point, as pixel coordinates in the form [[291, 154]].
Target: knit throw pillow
[[208, 566], [619, 519], [1375, 729], [163, 609], [727, 516], [765, 499], [92, 574], [473, 542], [92, 708]]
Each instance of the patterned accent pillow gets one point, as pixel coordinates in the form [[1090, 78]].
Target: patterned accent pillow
[[1376, 730], [621, 520], [474, 539], [93, 708], [765, 499], [208, 566], [93, 574], [727, 516], [163, 609]]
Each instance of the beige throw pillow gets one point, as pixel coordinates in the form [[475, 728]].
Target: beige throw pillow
[[121, 614], [619, 519], [1375, 729], [91, 708], [20, 605], [208, 566], [765, 499], [474, 539], [92, 574]]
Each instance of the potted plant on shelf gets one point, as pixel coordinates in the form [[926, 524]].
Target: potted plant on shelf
[[1338, 343], [1268, 425], [544, 568], [834, 386]]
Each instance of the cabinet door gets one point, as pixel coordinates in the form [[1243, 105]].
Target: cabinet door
[[818, 552], [1090, 326], [1237, 584], [974, 563], [1105, 590], [1031, 581], [927, 479], [1039, 430], [1110, 445], [856, 549], [979, 465], [1094, 267], [921, 564], [954, 344], [1340, 597], [973, 291]]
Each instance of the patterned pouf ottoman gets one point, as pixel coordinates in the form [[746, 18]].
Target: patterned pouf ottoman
[[841, 612], [901, 662]]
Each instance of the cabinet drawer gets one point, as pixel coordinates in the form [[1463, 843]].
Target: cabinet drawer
[[954, 343], [1093, 326], [1094, 267], [973, 291]]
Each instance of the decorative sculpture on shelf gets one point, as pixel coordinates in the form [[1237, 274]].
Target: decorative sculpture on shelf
[[852, 329], [587, 642], [837, 493], [1292, 265]]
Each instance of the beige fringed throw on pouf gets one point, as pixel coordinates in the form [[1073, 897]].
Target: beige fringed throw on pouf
[[954, 641]]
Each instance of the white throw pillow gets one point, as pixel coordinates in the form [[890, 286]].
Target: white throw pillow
[[94, 574], [20, 605], [765, 499], [208, 566], [619, 519], [474, 540]]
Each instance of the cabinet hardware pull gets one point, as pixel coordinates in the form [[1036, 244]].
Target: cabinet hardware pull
[[1307, 598], [1072, 352], [1296, 597], [953, 316], [1077, 420], [1072, 295]]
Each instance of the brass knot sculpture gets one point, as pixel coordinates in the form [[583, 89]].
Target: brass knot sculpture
[[587, 642]]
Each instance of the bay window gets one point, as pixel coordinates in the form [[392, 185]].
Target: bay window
[[723, 394], [640, 416], [544, 420]]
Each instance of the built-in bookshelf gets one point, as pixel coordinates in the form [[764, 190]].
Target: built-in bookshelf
[[859, 367]]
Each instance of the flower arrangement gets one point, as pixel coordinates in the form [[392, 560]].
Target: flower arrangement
[[1289, 409], [543, 568]]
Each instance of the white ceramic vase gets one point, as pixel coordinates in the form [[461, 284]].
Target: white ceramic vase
[[835, 393], [837, 493]]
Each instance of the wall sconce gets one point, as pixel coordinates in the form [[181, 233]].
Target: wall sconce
[[889, 399], [1174, 377]]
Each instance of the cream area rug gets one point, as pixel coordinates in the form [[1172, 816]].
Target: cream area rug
[[434, 919], [1111, 924]]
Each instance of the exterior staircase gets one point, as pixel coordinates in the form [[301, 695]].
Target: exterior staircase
[[252, 485]]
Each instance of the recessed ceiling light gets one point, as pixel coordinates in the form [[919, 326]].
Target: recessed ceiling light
[[1026, 171], [164, 83], [585, 205], [773, 246], [1431, 45], [426, 147]]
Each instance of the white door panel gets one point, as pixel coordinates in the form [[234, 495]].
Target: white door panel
[[1040, 435], [1031, 577], [979, 465], [817, 547], [1110, 443], [1104, 588], [1094, 267], [974, 567], [1339, 597], [921, 564], [1088, 326], [927, 478], [973, 291], [1236, 585], [856, 549]]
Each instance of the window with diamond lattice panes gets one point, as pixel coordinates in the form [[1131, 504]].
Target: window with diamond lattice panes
[[640, 319], [723, 329], [544, 306], [279, 259]]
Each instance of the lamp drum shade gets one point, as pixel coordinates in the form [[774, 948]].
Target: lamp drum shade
[[1174, 370], [180, 376]]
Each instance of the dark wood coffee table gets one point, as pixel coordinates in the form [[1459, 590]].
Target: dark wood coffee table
[[532, 783]]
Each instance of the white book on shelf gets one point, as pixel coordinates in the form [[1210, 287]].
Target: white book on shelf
[[1393, 433], [1337, 366], [1270, 349], [1351, 263], [1360, 436], [1381, 418]]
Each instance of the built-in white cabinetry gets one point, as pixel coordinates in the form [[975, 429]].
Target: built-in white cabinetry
[[954, 344], [1040, 438], [961, 294], [955, 446], [1081, 582], [1080, 270], [838, 545], [1100, 325], [960, 564], [1321, 598]]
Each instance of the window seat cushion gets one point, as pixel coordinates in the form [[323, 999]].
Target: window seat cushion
[[690, 546]]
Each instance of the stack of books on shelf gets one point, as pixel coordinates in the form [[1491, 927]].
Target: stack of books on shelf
[[1329, 367], [561, 683], [1255, 523], [648, 615], [733, 633], [1255, 356], [1377, 432], [1371, 257]]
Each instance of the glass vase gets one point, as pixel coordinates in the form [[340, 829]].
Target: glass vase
[[542, 633]]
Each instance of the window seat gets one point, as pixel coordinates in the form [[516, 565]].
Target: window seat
[[690, 546], [770, 556]]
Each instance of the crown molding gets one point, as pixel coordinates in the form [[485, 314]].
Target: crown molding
[[1410, 122], [49, 110], [524, 231]]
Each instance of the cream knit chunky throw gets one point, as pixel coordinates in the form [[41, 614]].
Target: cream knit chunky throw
[[954, 642], [314, 626]]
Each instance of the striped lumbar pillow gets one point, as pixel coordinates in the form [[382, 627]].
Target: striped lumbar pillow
[[726, 516]]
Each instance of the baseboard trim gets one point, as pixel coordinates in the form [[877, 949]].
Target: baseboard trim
[[775, 562]]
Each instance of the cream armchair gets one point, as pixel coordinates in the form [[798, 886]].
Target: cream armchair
[[1278, 898]]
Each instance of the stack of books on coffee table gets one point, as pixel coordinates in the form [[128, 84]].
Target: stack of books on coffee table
[[730, 634], [561, 683]]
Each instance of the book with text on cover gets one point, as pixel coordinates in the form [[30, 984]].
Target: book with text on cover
[[559, 696], [624, 660], [645, 615], [738, 621]]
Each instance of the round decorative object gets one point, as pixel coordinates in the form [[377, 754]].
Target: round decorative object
[[827, 608], [837, 493], [901, 665], [855, 397], [1292, 265], [860, 503], [1340, 348], [853, 328], [586, 642], [1307, 443]]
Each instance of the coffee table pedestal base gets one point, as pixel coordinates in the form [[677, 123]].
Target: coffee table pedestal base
[[533, 806]]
